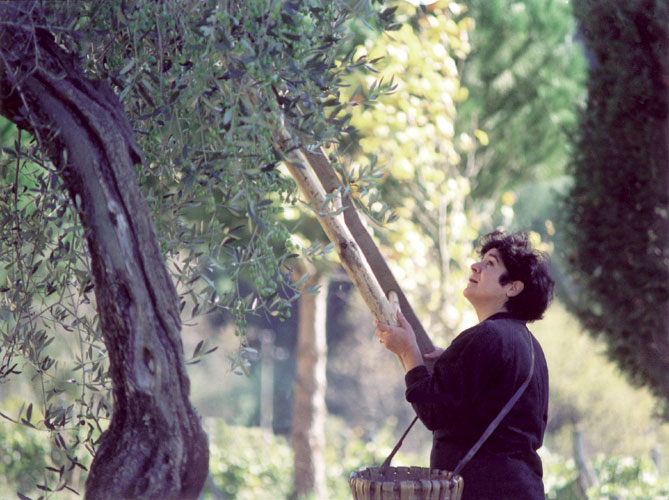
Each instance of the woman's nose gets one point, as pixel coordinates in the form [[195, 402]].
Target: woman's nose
[[476, 267]]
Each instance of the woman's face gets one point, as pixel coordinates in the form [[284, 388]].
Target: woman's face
[[484, 288]]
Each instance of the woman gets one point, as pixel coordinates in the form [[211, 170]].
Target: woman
[[480, 371]]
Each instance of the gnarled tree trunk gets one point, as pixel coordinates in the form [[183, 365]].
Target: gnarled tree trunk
[[155, 447]]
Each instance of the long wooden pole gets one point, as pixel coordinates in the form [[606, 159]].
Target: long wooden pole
[[330, 215], [355, 247]]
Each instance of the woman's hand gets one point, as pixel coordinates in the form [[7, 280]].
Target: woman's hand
[[434, 355], [400, 340]]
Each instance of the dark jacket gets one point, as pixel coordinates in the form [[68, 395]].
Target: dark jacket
[[472, 380]]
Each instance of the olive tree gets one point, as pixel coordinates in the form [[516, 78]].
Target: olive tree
[[155, 446], [151, 163]]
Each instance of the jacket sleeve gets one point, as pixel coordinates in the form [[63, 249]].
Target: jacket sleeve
[[461, 379], [421, 393]]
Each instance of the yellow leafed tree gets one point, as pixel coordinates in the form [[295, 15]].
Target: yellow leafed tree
[[411, 134]]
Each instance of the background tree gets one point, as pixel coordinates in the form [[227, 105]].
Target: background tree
[[204, 86], [523, 77], [617, 209], [309, 410], [408, 138]]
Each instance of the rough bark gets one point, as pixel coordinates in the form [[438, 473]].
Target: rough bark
[[308, 428], [155, 447]]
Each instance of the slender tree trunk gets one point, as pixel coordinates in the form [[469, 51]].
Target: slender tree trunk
[[155, 447], [266, 379], [586, 477], [308, 431]]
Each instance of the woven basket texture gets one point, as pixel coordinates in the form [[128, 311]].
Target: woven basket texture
[[405, 483]]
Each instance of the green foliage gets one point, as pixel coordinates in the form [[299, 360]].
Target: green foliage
[[34, 463], [248, 463], [617, 421], [617, 213], [524, 77], [206, 86], [617, 477], [253, 464], [629, 478], [23, 458], [560, 476], [45, 307]]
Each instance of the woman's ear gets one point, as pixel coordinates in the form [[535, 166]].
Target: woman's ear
[[515, 288]]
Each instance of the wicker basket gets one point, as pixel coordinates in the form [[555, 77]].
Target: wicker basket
[[405, 483]]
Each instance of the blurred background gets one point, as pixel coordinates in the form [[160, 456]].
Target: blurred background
[[539, 115]]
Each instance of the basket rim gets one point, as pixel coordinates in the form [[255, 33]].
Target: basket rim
[[391, 475]]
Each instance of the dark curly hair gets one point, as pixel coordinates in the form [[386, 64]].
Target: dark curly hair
[[525, 264]]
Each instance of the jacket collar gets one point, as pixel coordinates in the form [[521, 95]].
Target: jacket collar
[[504, 315]]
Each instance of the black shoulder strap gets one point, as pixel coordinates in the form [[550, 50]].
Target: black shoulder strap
[[489, 430], [507, 408]]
